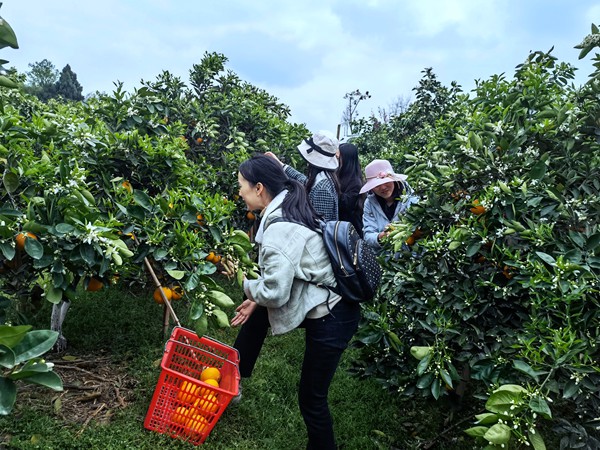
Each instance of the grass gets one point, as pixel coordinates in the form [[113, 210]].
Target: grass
[[130, 328]]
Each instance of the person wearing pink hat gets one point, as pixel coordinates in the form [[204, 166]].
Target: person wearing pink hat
[[389, 197]]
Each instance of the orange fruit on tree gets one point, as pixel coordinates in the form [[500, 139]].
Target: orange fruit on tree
[[210, 257], [127, 186], [158, 297], [250, 215], [197, 424], [200, 219], [410, 240], [94, 284], [477, 209], [199, 140], [217, 259], [176, 292], [205, 390], [210, 372], [22, 237]]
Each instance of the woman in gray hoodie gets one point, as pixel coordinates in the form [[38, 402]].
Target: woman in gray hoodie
[[293, 264]]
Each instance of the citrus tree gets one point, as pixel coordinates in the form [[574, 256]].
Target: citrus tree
[[95, 193], [498, 291]]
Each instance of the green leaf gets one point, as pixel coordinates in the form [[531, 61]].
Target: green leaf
[[538, 171], [220, 299], [8, 251], [32, 367], [87, 254], [473, 249], [420, 352], [525, 368], [571, 388], [201, 326], [477, 431], [540, 406], [536, 440], [498, 434], [142, 199], [11, 182], [221, 318], [7, 82], [48, 379], [196, 310], [423, 364], [486, 418], [33, 248], [34, 344], [425, 381], [8, 395], [593, 242], [501, 400], [54, 295], [435, 388], [446, 377], [7, 357], [176, 274], [10, 335], [547, 258]]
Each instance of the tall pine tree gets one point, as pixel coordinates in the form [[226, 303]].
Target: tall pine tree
[[67, 85]]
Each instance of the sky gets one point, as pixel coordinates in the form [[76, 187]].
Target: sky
[[307, 53]]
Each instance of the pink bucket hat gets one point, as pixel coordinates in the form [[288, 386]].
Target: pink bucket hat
[[378, 172]]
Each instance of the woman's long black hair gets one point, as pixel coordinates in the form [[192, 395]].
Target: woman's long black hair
[[313, 171], [349, 173], [267, 171]]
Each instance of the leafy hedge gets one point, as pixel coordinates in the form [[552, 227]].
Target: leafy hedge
[[106, 184], [499, 291]]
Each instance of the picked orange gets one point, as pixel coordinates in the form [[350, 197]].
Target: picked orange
[[205, 390], [188, 392], [207, 404], [197, 423], [181, 415], [210, 372]]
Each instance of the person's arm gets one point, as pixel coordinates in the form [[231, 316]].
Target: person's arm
[[371, 230], [272, 289], [294, 174]]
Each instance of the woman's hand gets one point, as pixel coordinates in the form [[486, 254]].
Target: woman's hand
[[243, 312], [272, 155]]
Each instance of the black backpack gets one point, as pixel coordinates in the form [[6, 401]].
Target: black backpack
[[354, 263]]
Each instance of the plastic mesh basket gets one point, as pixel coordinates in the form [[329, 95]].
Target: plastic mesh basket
[[183, 406]]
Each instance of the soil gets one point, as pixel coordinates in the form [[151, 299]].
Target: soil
[[94, 389]]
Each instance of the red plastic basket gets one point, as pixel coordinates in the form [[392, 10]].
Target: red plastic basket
[[183, 406]]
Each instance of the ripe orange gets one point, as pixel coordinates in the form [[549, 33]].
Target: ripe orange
[[250, 215], [197, 423], [94, 285], [477, 209], [188, 392], [21, 237], [210, 257], [200, 219], [127, 186], [199, 140], [207, 404], [210, 373], [176, 292], [181, 415], [217, 259], [158, 298], [410, 241], [205, 390]]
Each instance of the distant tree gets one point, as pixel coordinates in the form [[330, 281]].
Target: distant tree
[[349, 114], [396, 108], [41, 79], [67, 85]]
